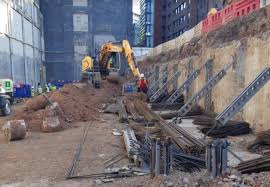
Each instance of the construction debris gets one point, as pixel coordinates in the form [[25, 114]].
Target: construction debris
[[261, 144], [112, 109], [256, 165], [14, 130], [166, 106], [232, 128], [187, 142], [51, 124], [76, 157], [195, 111], [123, 172], [38, 103], [123, 116]]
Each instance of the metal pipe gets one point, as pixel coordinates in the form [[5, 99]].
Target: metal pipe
[[153, 156], [157, 164]]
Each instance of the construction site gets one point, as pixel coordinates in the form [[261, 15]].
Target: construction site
[[82, 105]]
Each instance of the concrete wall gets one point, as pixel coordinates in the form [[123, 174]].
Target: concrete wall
[[252, 56], [20, 41]]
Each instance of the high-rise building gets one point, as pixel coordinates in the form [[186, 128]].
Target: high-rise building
[[136, 29], [21, 41], [174, 17], [147, 23], [75, 28]]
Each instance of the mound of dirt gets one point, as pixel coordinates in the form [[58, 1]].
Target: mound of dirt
[[79, 102]]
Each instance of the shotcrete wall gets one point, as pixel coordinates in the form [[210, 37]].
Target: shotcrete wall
[[251, 53]]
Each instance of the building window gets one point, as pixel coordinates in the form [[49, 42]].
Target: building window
[[80, 3]]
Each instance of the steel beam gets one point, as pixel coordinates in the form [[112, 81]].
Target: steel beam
[[208, 96], [199, 95], [161, 90], [155, 84], [244, 97], [185, 85]]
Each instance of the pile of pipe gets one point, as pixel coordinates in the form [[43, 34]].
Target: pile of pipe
[[163, 157], [232, 128], [255, 166]]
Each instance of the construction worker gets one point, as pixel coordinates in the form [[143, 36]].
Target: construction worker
[[39, 89], [143, 84], [33, 91]]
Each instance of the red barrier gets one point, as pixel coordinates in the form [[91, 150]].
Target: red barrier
[[245, 7], [206, 25], [216, 20], [228, 13], [240, 8]]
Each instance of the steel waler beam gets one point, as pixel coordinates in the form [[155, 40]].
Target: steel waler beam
[[129, 139], [244, 97], [205, 90], [161, 90]]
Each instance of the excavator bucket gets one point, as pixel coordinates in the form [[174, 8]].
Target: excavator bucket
[[113, 76]]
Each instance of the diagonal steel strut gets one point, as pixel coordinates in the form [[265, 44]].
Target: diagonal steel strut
[[205, 90], [160, 91], [239, 102], [185, 85]]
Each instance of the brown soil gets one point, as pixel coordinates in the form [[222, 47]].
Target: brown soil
[[79, 102]]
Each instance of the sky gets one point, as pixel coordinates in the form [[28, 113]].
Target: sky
[[136, 6]]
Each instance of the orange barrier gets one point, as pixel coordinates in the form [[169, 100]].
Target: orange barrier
[[228, 13], [245, 7], [240, 8]]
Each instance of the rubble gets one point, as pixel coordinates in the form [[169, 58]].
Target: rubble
[[261, 143], [51, 124], [14, 130]]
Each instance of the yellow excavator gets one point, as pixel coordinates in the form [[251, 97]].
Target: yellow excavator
[[87, 64], [110, 59], [109, 63], [90, 71]]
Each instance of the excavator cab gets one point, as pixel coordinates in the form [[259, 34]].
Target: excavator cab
[[113, 67], [110, 60]]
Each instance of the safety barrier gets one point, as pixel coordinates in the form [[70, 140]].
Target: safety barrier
[[206, 25], [245, 7], [216, 20], [228, 14], [222, 17], [61, 83], [22, 91]]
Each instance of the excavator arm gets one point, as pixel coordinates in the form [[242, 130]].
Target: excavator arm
[[130, 58]]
